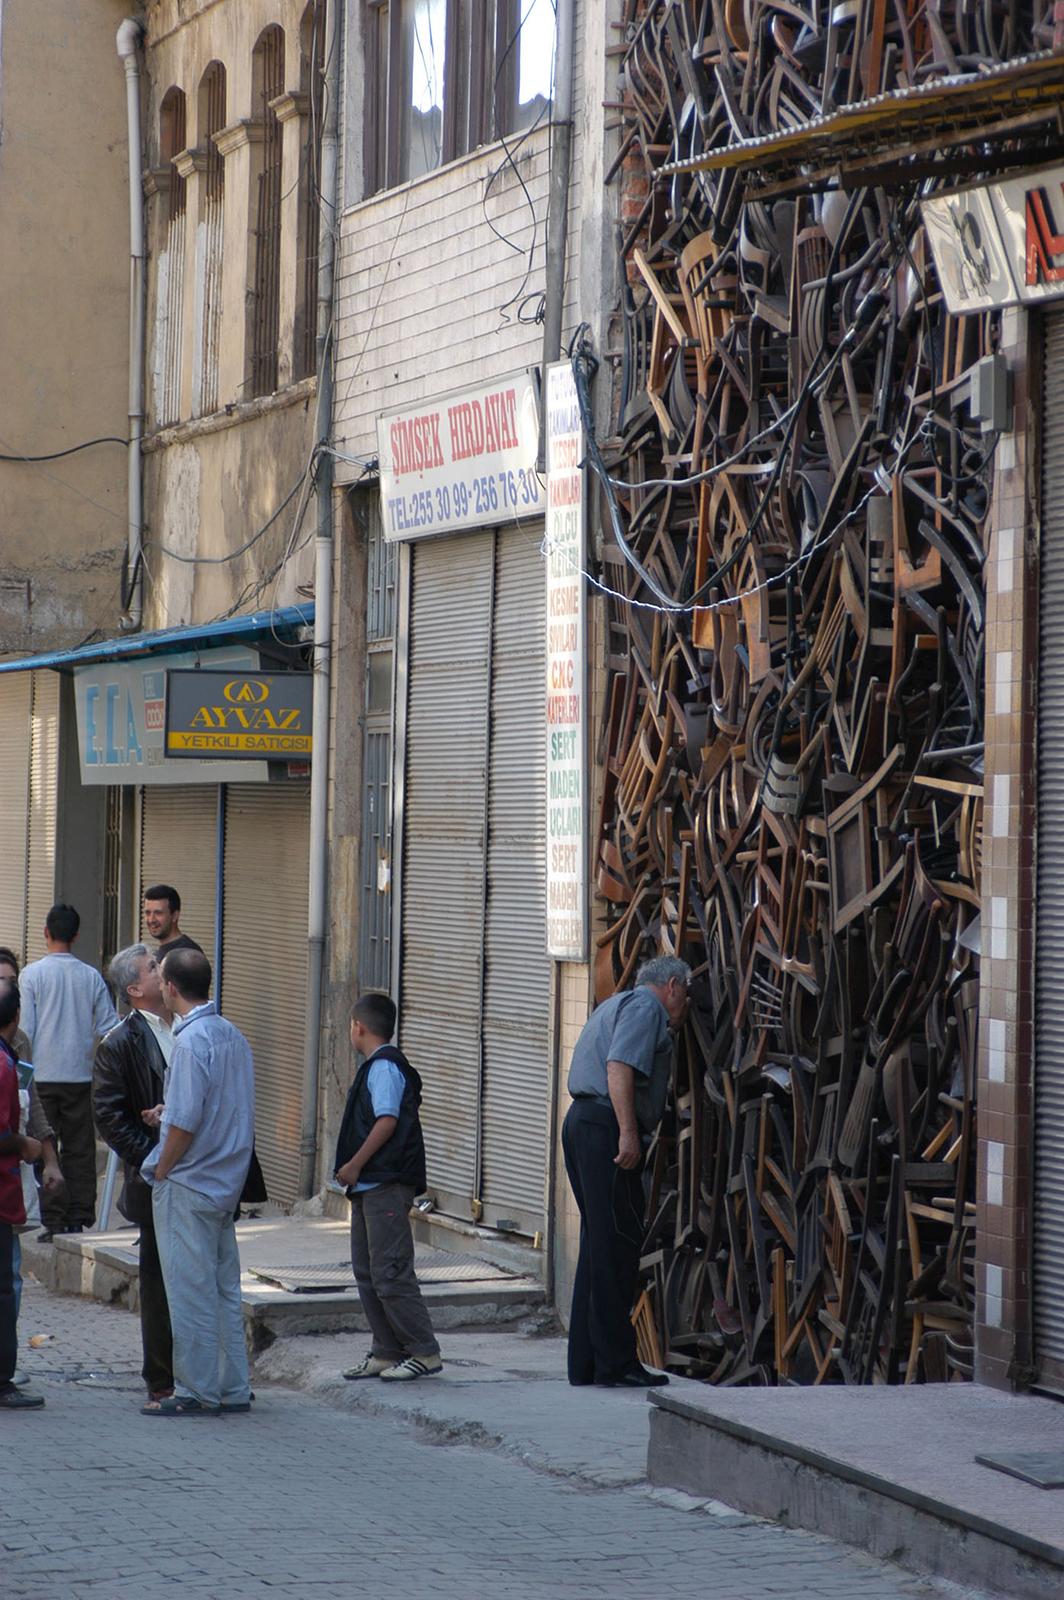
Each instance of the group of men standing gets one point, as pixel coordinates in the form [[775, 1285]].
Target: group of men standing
[[171, 1089]]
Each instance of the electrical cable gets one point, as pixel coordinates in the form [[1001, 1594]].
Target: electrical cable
[[689, 607], [825, 330], [57, 455], [508, 160], [220, 561], [932, 420], [580, 354], [380, 293], [595, 457]]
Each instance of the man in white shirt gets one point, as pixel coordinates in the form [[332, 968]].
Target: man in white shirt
[[127, 1091], [65, 1009]]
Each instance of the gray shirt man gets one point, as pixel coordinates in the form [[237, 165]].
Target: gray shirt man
[[66, 1009], [209, 1091], [632, 1027]]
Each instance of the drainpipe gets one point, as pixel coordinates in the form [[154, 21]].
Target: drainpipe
[[558, 196], [554, 293], [323, 589], [127, 42]]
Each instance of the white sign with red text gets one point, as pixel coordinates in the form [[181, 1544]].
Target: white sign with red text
[[566, 672], [999, 243], [466, 461]]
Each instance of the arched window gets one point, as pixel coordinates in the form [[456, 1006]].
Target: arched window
[[268, 85], [170, 287], [312, 63], [211, 121]]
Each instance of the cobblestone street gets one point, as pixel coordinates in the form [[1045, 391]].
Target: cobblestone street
[[300, 1500]]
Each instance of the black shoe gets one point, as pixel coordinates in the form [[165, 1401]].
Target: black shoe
[[45, 1236], [12, 1399], [75, 1227], [637, 1378]]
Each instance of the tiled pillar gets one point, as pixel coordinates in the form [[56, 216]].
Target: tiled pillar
[[1005, 1058]]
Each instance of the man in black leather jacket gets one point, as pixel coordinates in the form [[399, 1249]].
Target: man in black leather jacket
[[127, 1094]]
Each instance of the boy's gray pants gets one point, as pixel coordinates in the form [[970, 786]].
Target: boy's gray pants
[[382, 1260]]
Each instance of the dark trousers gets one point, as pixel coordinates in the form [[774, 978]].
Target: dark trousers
[[8, 1311], [68, 1107], [610, 1201], [382, 1260], [155, 1336]]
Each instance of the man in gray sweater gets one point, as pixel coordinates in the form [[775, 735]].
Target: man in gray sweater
[[66, 1010]]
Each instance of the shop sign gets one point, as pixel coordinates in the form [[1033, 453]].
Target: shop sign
[[1000, 244], [465, 461], [240, 716], [566, 686], [120, 709]]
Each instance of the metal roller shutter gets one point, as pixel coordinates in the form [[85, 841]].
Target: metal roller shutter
[[264, 960], [443, 854], [178, 846], [1048, 1282], [16, 691], [516, 967], [44, 788]]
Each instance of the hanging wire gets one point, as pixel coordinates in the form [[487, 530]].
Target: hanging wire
[[57, 455]]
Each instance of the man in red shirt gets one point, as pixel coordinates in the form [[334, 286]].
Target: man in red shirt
[[15, 1147]]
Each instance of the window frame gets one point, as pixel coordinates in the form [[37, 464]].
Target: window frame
[[469, 121], [269, 65]]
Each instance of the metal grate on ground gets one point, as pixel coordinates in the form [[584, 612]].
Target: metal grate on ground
[[432, 1266]]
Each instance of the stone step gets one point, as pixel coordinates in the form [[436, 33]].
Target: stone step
[[103, 1266]]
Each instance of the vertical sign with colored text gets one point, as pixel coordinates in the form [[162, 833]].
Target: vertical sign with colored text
[[566, 673]]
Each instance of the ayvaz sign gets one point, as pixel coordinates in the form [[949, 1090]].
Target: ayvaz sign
[[465, 461], [121, 717], [239, 716], [1001, 243]]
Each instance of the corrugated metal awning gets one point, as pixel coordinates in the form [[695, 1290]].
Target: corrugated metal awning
[[258, 624], [951, 110]]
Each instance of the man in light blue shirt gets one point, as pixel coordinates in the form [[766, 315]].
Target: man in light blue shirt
[[197, 1172], [66, 1010]]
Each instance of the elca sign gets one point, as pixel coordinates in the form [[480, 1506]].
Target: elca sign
[[1000, 244], [121, 718], [239, 716]]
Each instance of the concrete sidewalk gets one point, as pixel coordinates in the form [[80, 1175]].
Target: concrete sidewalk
[[503, 1389], [894, 1471]]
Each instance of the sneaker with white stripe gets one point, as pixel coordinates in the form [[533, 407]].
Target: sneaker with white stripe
[[370, 1366], [412, 1367]]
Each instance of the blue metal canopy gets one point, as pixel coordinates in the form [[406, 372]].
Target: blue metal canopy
[[259, 623]]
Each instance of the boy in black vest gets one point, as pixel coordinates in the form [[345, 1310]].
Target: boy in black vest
[[380, 1158]]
